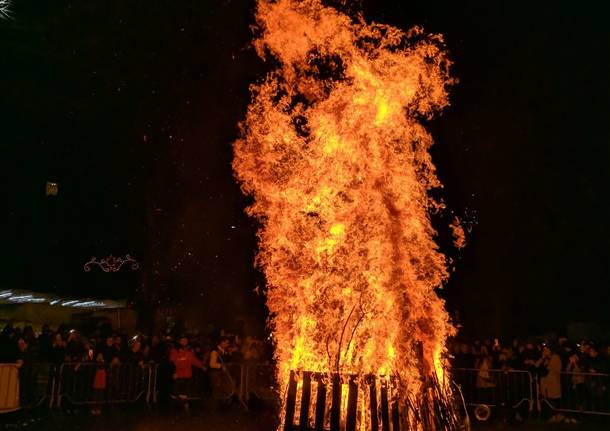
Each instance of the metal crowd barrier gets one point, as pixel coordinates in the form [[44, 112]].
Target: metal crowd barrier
[[25, 386], [259, 381], [582, 393], [234, 374], [234, 377], [37, 384], [129, 383], [125, 383], [194, 388], [199, 385], [509, 388]]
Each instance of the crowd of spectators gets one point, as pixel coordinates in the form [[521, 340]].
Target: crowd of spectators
[[582, 357], [179, 357], [64, 345], [570, 376], [184, 363]]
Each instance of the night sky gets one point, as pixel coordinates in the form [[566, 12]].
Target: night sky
[[131, 107]]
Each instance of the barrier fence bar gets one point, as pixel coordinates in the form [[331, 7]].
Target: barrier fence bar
[[509, 388], [194, 388], [26, 386], [90, 383], [259, 382], [581, 393]]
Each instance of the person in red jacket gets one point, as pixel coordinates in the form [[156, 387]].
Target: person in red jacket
[[184, 360], [99, 384]]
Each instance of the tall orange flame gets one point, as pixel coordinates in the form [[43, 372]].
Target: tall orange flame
[[335, 155]]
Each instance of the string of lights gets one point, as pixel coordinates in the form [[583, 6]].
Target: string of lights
[[24, 297], [111, 263]]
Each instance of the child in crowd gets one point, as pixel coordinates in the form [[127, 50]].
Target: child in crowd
[[99, 384]]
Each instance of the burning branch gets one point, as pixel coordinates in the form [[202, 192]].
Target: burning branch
[[362, 315], [341, 338]]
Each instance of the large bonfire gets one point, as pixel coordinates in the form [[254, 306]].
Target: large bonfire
[[335, 155]]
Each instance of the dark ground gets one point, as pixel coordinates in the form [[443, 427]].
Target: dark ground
[[590, 425], [200, 417], [204, 418]]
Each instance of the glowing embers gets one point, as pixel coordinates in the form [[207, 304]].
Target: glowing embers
[[334, 402]]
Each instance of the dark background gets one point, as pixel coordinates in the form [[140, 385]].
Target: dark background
[[131, 107]]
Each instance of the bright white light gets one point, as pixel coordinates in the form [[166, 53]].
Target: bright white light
[[22, 298], [5, 9], [69, 302], [55, 301], [5, 294], [88, 304]]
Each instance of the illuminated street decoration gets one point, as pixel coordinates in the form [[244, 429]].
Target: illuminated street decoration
[[14, 296], [112, 264]]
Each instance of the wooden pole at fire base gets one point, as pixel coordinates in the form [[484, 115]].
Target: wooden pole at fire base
[[385, 414], [352, 404], [386, 411], [305, 400], [373, 403], [320, 403], [291, 400], [395, 416], [335, 410]]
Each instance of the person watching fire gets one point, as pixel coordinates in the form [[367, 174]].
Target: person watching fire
[[184, 360], [219, 378]]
